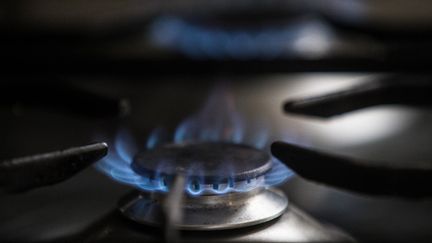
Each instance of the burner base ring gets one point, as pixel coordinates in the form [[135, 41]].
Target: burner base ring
[[215, 212]]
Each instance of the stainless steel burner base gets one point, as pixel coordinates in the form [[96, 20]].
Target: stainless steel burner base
[[211, 212]]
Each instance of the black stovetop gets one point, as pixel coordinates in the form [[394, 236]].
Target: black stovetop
[[84, 208]]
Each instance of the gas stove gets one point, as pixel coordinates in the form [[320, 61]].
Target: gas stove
[[219, 121], [225, 183], [211, 177], [164, 183]]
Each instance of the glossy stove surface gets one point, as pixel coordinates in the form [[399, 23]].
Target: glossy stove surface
[[79, 212], [85, 206]]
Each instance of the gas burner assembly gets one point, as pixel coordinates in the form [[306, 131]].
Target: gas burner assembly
[[211, 168], [210, 212], [225, 186], [210, 176], [216, 121]]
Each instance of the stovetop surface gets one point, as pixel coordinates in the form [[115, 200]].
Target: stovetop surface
[[84, 208], [76, 211]]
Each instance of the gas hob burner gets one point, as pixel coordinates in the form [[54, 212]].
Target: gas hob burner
[[224, 186], [211, 168]]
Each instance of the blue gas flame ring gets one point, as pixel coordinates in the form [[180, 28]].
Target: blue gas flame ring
[[119, 166], [206, 165], [196, 188], [121, 171]]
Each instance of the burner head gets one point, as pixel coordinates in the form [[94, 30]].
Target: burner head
[[207, 162], [224, 180], [214, 212]]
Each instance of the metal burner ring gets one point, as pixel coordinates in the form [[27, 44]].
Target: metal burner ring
[[211, 212]]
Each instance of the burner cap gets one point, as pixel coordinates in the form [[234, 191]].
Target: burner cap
[[211, 161]]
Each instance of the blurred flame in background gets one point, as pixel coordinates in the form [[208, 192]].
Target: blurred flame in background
[[308, 38]]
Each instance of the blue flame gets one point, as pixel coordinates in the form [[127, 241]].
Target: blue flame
[[278, 174], [305, 37], [118, 167], [196, 187], [217, 121], [157, 137], [125, 145]]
